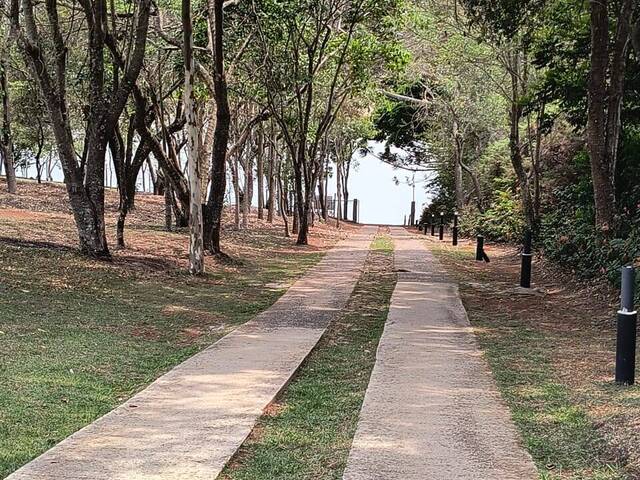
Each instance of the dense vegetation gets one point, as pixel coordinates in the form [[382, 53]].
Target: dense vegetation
[[531, 109], [528, 112]]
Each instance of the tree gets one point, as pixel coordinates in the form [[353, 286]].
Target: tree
[[606, 91], [6, 140], [196, 243], [312, 56], [84, 179], [218, 183]]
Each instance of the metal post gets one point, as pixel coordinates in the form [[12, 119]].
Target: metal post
[[441, 233], [527, 257], [455, 229], [356, 207], [627, 330], [433, 225], [479, 248]]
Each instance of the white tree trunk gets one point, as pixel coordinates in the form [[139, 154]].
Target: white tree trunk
[[196, 242]]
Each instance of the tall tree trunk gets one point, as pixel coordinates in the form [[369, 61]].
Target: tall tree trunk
[[215, 202], [168, 206], [273, 198], [457, 166], [515, 116], [605, 104], [196, 243], [282, 203], [236, 192], [260, 172], [338, 194], [5, 128]]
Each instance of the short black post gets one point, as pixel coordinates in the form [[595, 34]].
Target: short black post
[[441, 232], [433, 225], [479, 248], [455, 229], [627, 330], [527, 257]]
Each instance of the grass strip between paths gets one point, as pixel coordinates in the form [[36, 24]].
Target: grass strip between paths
[[307, 432]]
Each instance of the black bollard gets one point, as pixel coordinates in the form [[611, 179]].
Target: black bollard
[[479, 248], [433, 226], [527, 257], [441, 232], [455, 229], [627, 330]]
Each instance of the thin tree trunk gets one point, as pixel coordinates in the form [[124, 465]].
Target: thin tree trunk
[[246, 199], [273, 198], [282, 203], [168, 206], [218, 182], [5, 127], [196, 243], [338, 195], [260, 173]]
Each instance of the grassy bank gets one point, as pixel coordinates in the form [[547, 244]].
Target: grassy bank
[[307, 433], [552, 356], [78, 337]]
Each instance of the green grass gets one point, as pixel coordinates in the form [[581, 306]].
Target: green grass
[[558, 433], [556, 429], [309, 431], [77, 338]]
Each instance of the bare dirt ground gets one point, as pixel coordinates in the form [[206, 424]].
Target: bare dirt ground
[[39, 215], [570, 329]]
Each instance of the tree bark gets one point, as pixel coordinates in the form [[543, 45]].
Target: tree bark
[[196, 243], [260, 172], [515, 116], [215, 202], [84, 182], [605, 93], [6, 141]]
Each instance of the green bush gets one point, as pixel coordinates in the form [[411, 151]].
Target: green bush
[[568, 236], [503, 221]]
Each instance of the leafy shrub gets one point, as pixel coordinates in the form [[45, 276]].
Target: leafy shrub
[[568, 236], [503, 221]]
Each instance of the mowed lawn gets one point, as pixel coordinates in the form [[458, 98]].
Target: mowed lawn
[[78, 337], [553, 356]]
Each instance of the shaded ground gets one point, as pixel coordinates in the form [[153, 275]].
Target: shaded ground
[[78, 337], [307, 432], [553, 357]]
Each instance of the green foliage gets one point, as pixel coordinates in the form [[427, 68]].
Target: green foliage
[[502, 221], [569, 237]]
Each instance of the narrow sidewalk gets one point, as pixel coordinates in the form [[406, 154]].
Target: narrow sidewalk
[[189, 423], [432, 410]]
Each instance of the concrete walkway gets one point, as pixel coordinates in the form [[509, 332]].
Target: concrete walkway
[[432, 410], [188, 424]]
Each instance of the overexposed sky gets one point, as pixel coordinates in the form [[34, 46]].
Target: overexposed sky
[[381, 200]]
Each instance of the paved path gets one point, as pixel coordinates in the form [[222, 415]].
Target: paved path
[[432, 410], [188, 424]]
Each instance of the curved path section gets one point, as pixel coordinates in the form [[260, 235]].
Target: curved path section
[[432, 410], [189, 423]]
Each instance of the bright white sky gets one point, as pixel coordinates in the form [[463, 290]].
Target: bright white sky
[[371, 182], [381, 200]]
